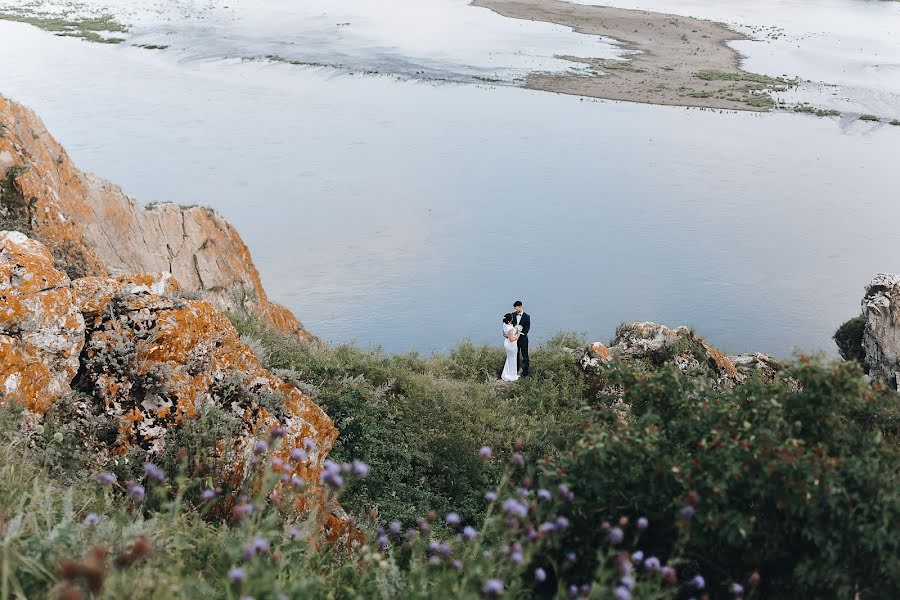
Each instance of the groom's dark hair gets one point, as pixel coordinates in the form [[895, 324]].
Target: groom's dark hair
[[517, 303], [507, 318]]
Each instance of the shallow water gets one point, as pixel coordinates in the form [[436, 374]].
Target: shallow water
[[411, 214]]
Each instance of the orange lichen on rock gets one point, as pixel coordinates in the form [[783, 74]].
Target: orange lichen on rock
[[41, 329], [680, 347], [719, 361], [92, 228], [149, 358], [172, 356]]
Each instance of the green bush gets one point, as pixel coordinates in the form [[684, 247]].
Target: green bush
[[799, 486], [849, 338]]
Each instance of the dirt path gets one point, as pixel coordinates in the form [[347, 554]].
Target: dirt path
[[679, 61]]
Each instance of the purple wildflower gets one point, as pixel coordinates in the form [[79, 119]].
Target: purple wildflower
[[331, 474], [107, 478], [543, 494], [299, 455], [515, 507], [491, 496], [516, 557], [547, 528], [295, 533], [434, 561], [469, 533], [243, 510], [573, 591], [562, 523], [297, 482], [638, 556], [208, 494], [540, 575], [622, 593], [277, 432], [277, 463], [492, 588], [360, 468], [518, 460], [247, 553], [91, 519], [457, 564], [485, 453], [382, 542], [154, 472], [260, 545], [668, 572], [642, 523], [260, 447], [737, 589], [565, 493], [571, 557], [236, 574], [687, 512], [452, 519], [652, 564], [616, 535], [136, 491], [627, 581], [395, 527], [309, 444], [698, 582]]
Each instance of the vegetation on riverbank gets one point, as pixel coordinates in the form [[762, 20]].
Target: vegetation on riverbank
[[99, 28], [615, 482]]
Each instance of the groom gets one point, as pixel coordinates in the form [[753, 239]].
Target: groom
[[520, 317]]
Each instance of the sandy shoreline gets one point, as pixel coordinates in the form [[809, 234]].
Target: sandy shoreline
[[680, 61]]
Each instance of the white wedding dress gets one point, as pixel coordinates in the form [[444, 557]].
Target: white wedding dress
[[511, 368]]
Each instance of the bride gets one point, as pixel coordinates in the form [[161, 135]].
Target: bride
[[511, 336]]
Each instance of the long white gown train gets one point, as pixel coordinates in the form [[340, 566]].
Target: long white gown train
[[511, 367]]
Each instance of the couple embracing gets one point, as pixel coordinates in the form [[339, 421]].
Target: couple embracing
[[515, 333]]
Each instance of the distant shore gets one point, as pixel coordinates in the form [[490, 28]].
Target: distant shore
[[676, 60]]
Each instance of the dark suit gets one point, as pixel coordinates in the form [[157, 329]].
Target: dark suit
[[525, 322]]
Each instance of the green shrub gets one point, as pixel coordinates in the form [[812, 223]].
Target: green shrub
[[420, 422], [799, 486], [849, 337]]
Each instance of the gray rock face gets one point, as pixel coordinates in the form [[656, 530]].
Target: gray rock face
[[881, 339]]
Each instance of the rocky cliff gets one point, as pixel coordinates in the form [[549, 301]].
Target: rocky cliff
[[881, 336], [91, 228], [133, 352]]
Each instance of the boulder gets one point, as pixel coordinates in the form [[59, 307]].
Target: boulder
[[93, 229], [652, 345], [41, 328], [881, 337]]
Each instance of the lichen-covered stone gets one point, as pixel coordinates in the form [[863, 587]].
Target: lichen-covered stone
[[652, 344], [41, 328], [92, 228], [149, 359], [154, 359], [881, 338]]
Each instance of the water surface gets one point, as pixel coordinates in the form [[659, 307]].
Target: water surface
[[410, 214]]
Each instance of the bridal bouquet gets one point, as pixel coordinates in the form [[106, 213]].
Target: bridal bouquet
[[519, 329]]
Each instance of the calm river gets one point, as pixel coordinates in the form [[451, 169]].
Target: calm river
[[401, 211]]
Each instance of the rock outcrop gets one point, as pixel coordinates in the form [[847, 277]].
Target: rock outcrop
[[881, 337], [41, 328], [652, 345], [146, 357], [93, 229]]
